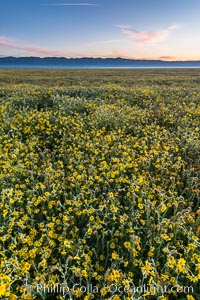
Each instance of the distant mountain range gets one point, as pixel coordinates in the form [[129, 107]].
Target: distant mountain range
[[62, 62]]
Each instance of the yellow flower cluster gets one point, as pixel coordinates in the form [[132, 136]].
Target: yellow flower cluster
[[99, 185]]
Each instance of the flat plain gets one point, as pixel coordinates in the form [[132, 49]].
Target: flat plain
[[100, 184]]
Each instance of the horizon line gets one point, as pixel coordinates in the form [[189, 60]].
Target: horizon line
[[99, 57]]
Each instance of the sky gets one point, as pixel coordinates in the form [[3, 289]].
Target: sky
[[137, 29]]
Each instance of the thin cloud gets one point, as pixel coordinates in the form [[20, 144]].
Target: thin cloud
[[72, 4], [10, 43], [26, 49], [147, 37], [107, 41], [6, 42], [166, 57]]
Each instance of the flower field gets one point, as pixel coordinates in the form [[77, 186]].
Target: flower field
[[100, 184]]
